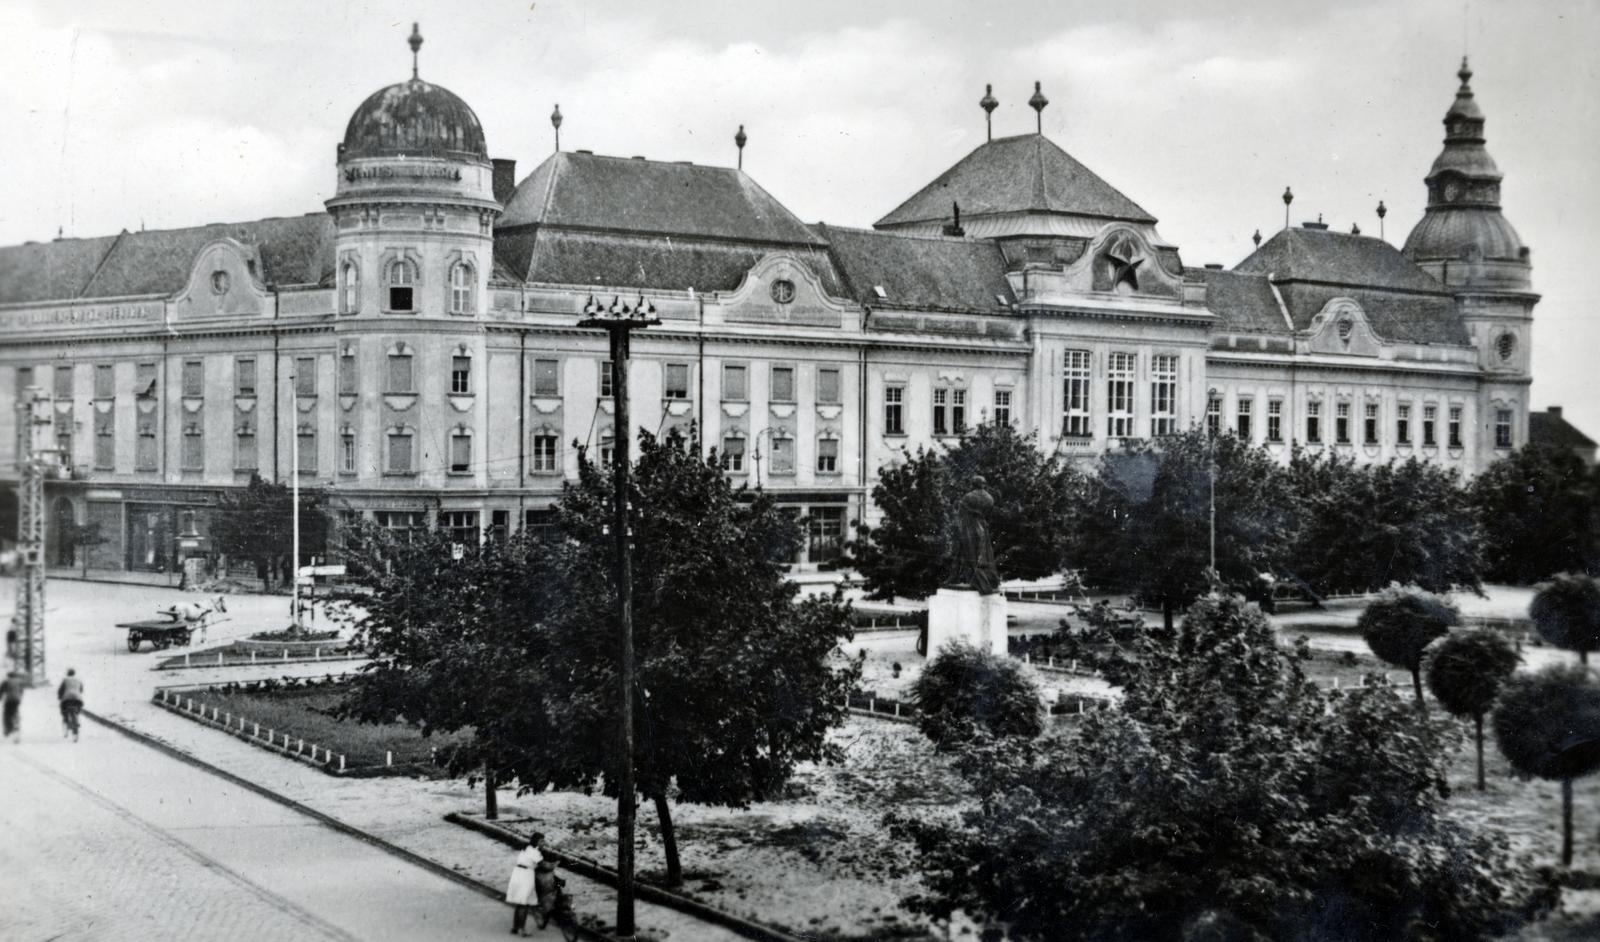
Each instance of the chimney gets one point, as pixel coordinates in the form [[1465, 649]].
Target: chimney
[[505, 179], [1555, 412]]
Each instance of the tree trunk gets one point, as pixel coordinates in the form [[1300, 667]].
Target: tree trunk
[[1566, 822], [1416, 684], [1478, 721], [491, 801], [1166, 613], [1583, 656], [669, 841]]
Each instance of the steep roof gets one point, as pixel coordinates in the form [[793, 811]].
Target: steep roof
[[294, 250], [581, 190], [625, 260], [1551, 428], [1329, 257], [1024, 174], [921, 272], [1242, 302]]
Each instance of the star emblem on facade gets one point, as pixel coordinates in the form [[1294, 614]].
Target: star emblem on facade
[[1124, 260]]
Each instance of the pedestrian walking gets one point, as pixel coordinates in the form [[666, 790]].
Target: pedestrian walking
[[70, 696], [520, 890], [11, 692]]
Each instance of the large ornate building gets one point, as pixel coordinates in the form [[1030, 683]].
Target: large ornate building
[[415, 351]]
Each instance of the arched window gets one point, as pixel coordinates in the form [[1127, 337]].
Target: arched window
[[461, 288], [352, 288], [402, 278]]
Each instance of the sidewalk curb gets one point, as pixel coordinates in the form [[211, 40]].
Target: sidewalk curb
[[645, 891], [394, 850]]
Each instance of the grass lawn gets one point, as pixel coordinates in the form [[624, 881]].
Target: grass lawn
[[304, 712]]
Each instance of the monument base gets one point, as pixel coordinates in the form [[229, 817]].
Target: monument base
[[964, 615]]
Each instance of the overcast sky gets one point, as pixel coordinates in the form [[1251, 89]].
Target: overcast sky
[[118, 113]]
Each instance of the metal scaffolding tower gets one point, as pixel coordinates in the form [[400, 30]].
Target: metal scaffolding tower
[[33, 463]]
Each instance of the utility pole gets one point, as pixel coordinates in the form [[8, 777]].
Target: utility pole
[[294, 490], [32, 464], [619, 321]]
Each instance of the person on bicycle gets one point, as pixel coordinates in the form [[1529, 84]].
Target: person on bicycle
[[70, 695]]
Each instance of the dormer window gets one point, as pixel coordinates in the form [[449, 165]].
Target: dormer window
[[402, 279]]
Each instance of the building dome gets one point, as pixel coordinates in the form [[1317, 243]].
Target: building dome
[[414, 119], [1447, 233]]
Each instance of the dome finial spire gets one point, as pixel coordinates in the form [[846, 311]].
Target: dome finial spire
[[739, 140], [1037, 103], [1464, 74], [415, 42], [555, 122], [988, 103]]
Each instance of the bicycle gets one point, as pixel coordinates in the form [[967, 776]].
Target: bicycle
[[561, 914], [69, 718]]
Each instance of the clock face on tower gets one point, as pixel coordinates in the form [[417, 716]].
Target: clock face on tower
[[1452, 191]]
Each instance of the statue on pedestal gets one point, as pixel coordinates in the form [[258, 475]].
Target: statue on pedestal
[[972, 554]]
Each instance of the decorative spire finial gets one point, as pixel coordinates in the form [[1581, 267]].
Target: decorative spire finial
[[1464, 73], [739, 140], [1288, 197], [1382, 212], [555, 122], [988, 103], [1037, 103], [1355, 228], [1256, 238], [415, 42]]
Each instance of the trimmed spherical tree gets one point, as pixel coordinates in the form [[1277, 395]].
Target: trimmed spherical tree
[[963, 692], [1548, 724], [1466, 671], [1566, 610], [1401, 624]]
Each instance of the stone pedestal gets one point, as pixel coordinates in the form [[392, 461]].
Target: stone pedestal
[[964, 615]]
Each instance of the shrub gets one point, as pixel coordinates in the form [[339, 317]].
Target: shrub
[[1401, 624], [1566, 611], [1466, 672], [1548, 724], [964, 693]]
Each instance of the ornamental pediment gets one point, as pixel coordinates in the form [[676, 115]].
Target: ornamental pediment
[[1121, 261], [224, 281], [1341, 327], [780, 289]]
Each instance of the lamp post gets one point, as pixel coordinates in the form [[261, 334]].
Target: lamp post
[[619, 321]]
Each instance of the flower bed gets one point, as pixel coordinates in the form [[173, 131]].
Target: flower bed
[[239, 653]]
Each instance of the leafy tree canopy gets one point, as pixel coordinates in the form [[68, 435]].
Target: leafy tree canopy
[[256, 523], [1538, 512], [1566, 611], [963, 693], [1468, 668]]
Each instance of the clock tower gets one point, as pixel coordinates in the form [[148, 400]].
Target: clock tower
[[1465, 242]]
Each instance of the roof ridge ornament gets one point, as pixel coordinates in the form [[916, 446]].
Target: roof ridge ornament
[[555, 122], [988, 103], [415, 42], [1038, 103], [739, 140]]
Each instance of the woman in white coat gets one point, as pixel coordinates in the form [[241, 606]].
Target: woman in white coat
[[520, 891]]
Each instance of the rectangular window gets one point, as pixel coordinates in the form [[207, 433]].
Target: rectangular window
[[63, 431], [782, 455], [1455, 427], [460, 289], [400, 373], [941, 410], [144, 381], [1213, 415], [25, 378], [734, 388], [402, 275], [1430, 423], [244, 377], [144, 458], [460, 374], [1402, 423], [1314, 422], [608, 449], [606, 379], [62, 377], [1241, 425], [461, 526], [307, 444], [244, 446], [105, 440], [1163, 394], [894, 400], [460, 453], [1369, 427], [347, 453], [824, 534], [958, 411], [546, 381], [677, 381], [783, 384], [1341, 423], [1075, 394], [1002, 407], [305, 376], [105, 381], [399, 453], [827, 455], [500, 526], [1119, 395], [540, 523], [194, 378], [403, 525], [1502, 428], [193, 448], [347, 374], [733, 454], [1274, 420], [827, 385], [544, 453]]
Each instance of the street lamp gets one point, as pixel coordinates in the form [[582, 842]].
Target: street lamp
[[619, 321]]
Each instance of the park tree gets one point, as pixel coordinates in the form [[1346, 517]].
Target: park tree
[[1548, 724], [963, 693], [82, 537], [1537, 508], [1364, 526], [257, 524], [1466, 672], [1566, 612], [1400, 624], [906, 553], [1228, 793], [1146, 524]]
